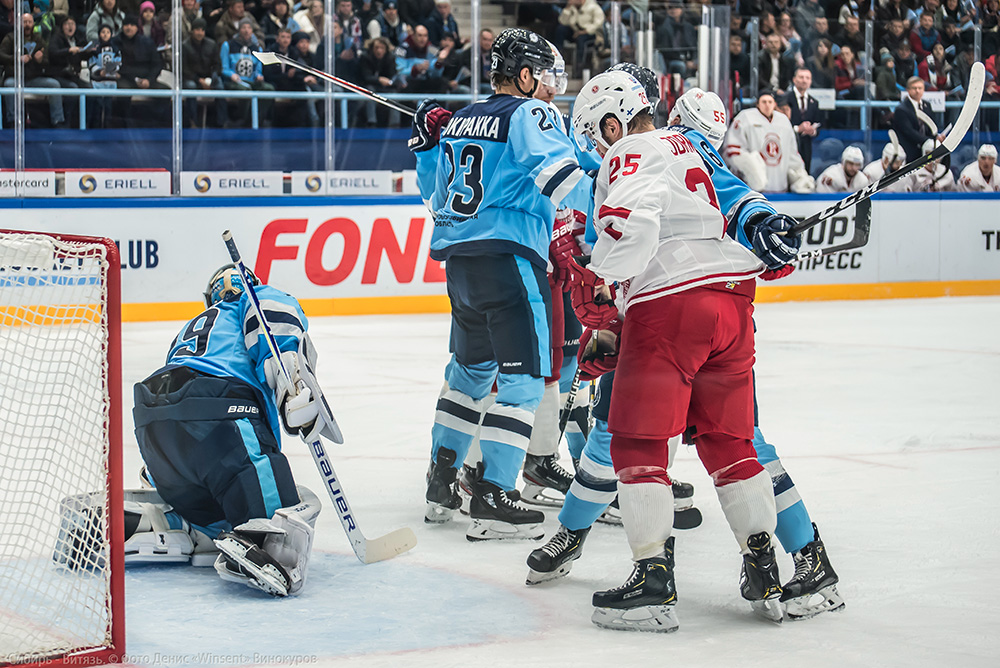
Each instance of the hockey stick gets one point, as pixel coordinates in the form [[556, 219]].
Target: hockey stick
[[977, 81], [271, 58], [367, 550], [568, 407]]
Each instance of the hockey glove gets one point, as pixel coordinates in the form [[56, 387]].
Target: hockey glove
[[775, 274], [593, 301], [773, 241], [427, 124], [301, 404], [564, 245], [598, 352]]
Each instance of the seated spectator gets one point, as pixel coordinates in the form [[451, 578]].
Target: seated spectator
[[913, 14], [934, 177], [774, 69], [229, 23], [33, 57], [66, 55], [823, 65], [676, 40], [148, 24], [850, 78], [104, 64], [851, 35], [804, 16], [486, 38], [767, 26], [820, 30], [388, 24], [736, 28], [286, 78], [906, 64], [414, 12], [241, 71], [924, 37], [580, 22], [963, 68], [45, 19], [140, 68], [190, 10], [845, 176], [891, 10], [739, 62], [200, 69], [855, 8], [936, 70], [790, 39], [990, 24], [345, 60], [351, 25], [378, 71], [886, 85], [310, 20], [106, 14], [279, 17], [953, 40], [895, 36], [982, 175], [415, 63], [450, 63], [962, 12], [440, 22]]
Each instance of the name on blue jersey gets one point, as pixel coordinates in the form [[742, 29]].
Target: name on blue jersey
[[478, 127]]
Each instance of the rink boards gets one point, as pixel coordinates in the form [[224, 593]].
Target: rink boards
[[360, 255]]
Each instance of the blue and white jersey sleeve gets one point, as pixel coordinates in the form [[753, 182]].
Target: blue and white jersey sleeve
[[545, 152], [284, 317], [427, 165], [738, 201]]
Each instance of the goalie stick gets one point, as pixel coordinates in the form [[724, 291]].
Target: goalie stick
[[367, 550], [271, 58], [977, 80]]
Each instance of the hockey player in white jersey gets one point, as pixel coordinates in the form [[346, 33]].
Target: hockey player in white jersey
[[893, 157], [683, 351], [983, 175], [762, 149], [934, 177], [845, 176]]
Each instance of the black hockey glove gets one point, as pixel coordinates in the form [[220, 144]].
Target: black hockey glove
[[427, 124], [773, 241]]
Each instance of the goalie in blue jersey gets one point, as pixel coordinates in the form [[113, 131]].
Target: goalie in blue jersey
[[493, 175], [208, 425], [754, 223]]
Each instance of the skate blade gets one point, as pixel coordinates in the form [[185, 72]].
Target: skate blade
[[546, 497], [611, 516], [769, 609], [538, 577], [687, 519], [435, 513], [648, 619], [827, 599], [495, 530], [466, 497], [264, 579]]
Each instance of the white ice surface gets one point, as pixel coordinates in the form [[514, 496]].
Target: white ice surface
[[885, 414]]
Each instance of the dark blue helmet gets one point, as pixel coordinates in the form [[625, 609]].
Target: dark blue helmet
[[643, 75], [517, 48]]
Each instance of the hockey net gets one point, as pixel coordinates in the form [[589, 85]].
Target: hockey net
[[61, 582]]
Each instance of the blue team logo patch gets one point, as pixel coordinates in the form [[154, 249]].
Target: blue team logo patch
[[88, 183], [202, 183]]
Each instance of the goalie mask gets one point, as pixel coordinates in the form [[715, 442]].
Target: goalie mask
[[702, 111], [226, 283], [615, 94]]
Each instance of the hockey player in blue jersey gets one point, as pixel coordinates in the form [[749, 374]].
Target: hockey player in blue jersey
[[493, 178], [755, 224], [208, 425]]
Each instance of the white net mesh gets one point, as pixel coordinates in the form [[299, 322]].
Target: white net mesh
[[54, 447]]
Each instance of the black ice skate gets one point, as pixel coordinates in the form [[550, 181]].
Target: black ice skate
[[243, 560], [813, 588], [495, 515], [612, 514], [686, 516], [645, 602], [555, 558], [759, 581], [545, 482], [466, 479], [442, 488]]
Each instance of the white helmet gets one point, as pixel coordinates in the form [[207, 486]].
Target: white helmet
[[703, 112], [615, 93], [852, 154], [893, 152], [555, 77], [987, 151]]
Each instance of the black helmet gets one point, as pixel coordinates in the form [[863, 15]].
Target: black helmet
[[517, 48], [643, 75]]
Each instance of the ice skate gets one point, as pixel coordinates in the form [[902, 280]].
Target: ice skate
[[442, 488], [496, 516], [813, 588], [243, 561], [545, 481], [554, 559], [612, 514], [466, 478], [645, 602], [759, 581], [686, 516]]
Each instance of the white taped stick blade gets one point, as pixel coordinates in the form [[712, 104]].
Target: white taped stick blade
[[977, 82], [29, 252], [266, 58], [389, 545]]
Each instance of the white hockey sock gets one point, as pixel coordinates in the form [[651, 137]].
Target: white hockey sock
[[545, 431], [749, 507], [648, 515], [475, 454]]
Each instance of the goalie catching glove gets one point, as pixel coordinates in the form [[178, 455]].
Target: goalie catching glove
[[598, 352], [299, 397], [593, 301]]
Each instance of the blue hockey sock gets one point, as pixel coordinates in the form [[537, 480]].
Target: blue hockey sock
[[794, 528]]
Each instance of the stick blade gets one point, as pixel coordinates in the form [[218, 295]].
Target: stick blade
[[266, 58], [390, 545], [977, 82]]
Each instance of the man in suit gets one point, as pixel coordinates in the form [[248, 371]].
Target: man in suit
[[805, 113], [775, 69], [907, 122]]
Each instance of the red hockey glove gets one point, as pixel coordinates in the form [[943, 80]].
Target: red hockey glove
[[598, 352], [564, 245], [592, 309], [775, 274]]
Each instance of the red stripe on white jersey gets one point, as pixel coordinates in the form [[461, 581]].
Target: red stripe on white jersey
[[617, 211], [613, 233]]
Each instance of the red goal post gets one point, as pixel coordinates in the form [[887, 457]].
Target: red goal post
[[61, 518]]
